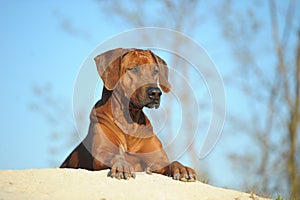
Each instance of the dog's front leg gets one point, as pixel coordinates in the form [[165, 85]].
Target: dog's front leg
[[108, 152], [180, 172], [160, 164], [121, 166], [118, 162]]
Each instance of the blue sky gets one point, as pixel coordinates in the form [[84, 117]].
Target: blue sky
[[36, 50]]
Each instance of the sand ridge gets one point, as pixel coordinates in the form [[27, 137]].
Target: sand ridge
[[82, 184]]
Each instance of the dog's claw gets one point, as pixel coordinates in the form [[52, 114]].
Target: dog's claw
[[126, 176], [185, 176], [148, 170], [176, 176], [193, 176], [112, 175], [133, 175]]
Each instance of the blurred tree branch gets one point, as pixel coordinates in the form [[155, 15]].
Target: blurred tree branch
[[275, 87]]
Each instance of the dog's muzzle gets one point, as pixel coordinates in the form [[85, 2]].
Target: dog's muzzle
[[154, 94]]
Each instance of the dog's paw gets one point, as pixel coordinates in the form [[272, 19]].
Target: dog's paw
[[122, 170], [182, 173]]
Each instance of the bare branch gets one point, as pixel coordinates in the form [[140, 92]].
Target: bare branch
[[278, 49]]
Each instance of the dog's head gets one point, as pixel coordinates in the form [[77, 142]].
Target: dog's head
[[137, 73]]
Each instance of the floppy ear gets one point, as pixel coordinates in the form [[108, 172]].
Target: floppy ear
[[163, 73], [109, 67]]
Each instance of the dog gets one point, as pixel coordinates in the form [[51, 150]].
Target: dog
[[120, 136]]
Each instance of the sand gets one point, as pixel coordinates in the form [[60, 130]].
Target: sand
[[82, 184]]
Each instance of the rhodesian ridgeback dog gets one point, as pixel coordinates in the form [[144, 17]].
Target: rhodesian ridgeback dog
[[120, 136]]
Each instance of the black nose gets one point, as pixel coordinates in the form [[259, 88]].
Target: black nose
[[154, 93]]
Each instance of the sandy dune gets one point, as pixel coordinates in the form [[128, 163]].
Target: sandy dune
[[81, 184]]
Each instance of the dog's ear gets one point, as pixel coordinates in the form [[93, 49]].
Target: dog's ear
[[109, 67], [163, 73]]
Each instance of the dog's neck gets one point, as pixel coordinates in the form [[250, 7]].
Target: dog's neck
[[137, 115], [129, 119], [125, 111]]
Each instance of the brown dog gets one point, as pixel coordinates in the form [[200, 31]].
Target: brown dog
[[120, 136]]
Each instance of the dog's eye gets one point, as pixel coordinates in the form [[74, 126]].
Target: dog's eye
[[155, 72], [134, 69]]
